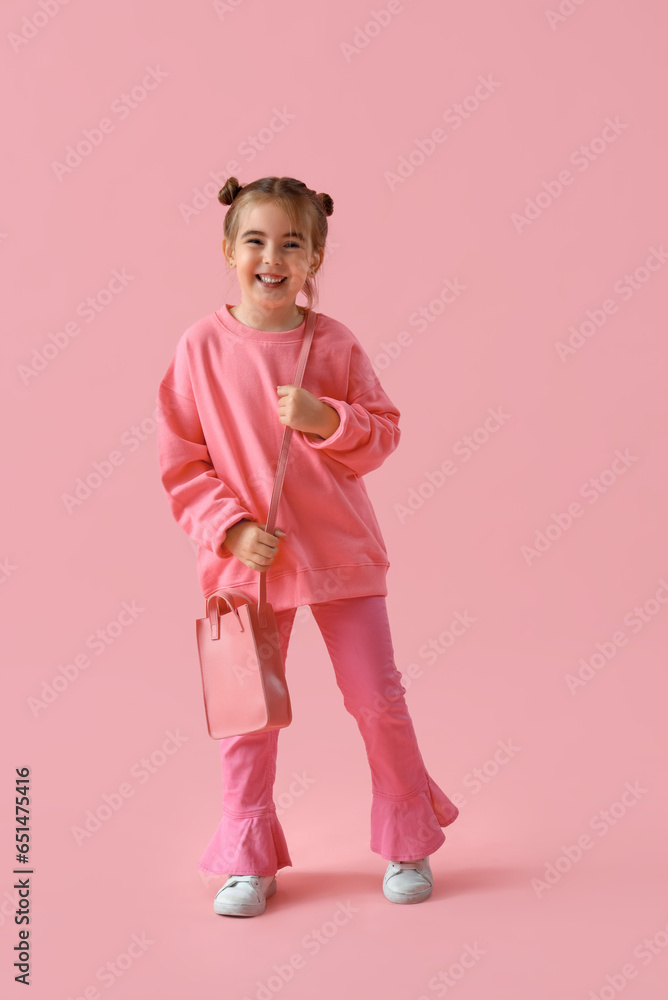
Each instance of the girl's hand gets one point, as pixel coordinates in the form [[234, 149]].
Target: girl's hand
[[300, 409], [252, 545]]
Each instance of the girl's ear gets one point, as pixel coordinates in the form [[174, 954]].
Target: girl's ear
[[227, 261], [316, 260]]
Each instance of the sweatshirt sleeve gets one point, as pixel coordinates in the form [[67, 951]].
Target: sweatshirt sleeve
[[369, 429], [200, 502]]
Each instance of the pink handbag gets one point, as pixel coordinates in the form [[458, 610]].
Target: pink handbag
[[243, 674]]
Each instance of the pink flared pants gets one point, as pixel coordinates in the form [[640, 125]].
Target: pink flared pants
[[408, 808]]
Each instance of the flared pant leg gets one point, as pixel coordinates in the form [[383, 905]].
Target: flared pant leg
[[249, 839], [408, 808]]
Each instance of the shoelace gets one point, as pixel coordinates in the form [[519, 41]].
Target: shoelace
[[400, 866], [252, 880]]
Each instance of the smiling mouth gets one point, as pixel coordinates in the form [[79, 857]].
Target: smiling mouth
[[264, 280]]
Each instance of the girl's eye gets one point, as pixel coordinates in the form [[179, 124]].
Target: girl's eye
[[256, 240]]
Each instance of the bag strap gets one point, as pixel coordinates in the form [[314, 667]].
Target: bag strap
[[311, 320]]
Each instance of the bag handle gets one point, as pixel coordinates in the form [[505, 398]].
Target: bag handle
[[311, 320], [213, 609]]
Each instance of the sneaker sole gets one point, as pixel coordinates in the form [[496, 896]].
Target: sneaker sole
[[400, 897], [243, 909]]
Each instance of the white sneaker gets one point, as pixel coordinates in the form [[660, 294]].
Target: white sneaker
[[244, 895], [408, 881]]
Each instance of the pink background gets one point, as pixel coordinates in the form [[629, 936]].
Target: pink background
[[221, 76]]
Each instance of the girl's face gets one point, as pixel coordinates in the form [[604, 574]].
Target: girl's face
[[265, 247]]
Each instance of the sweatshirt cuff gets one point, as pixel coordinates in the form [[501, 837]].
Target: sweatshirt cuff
[[339, 435], [222, 551]]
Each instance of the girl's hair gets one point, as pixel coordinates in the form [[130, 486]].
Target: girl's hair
[[306, 210]]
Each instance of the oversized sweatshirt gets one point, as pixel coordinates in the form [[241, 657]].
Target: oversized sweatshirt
[[219, 438]]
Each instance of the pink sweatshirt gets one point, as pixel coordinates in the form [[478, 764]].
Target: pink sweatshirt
[[219, 437]]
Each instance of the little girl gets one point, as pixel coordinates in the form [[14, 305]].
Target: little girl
[[222, 405]]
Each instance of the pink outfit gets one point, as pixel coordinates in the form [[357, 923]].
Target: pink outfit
[[219, 438]]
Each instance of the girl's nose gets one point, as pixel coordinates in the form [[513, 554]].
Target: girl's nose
[[271, 256]]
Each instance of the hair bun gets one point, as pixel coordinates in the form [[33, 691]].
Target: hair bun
[[327, 203], [229, 191]]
